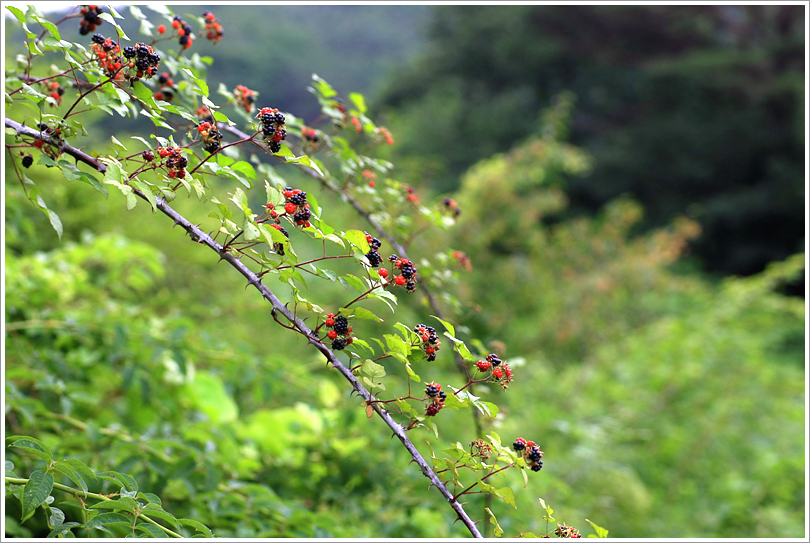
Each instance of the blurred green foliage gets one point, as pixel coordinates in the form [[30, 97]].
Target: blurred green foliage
[[667, 406], [692, 110]]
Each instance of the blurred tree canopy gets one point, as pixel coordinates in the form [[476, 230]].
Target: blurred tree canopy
[[689, 109]]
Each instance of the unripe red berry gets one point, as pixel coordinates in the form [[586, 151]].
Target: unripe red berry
[[161, 29], [290, 207], [332, 334], [497, 373], [399, 280], [330, 322], [483, 365], [383, 272]]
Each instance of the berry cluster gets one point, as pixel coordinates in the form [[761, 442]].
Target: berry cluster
[[272, 128], [407, 273], [245, 97], [296, 207], [463, 260], [167, 88], [430, 340], [213, 28], [530, 451], [340, 332], [279, 247], [210, 136], [90, 19], [204, 114], [501, 372], [142, 61], [385, 134], [310, 139], [184, 31], [56, 91], [452, 206], [566, 531], [434, 391], [373, 255], [371, 177], [175, 161], [107, 53]]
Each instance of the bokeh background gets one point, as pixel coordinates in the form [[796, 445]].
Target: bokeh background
[[632, 188]]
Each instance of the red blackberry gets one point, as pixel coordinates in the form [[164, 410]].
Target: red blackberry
[[432, 410]]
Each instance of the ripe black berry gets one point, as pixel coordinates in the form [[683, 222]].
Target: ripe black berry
[[393, 258], [338, 344], [275, 146], [341, 325], [98, 38], [518, 445], [374, 258], [143, 51], [27, 161], [537, 466], [442, 396], [299, 199], [534, 454], [432, 391]]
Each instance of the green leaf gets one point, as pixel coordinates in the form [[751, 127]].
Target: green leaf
[[161, 514], [600, 532], [372, 369], [497, 531], [34, 445], [107, 17], [199, 526], [35, 492], [359, 102], [252, 232], [144, 94], [149, 497], [132, 201], [412, 375], [151, 530], [116, 505], [63, 530], [447, 325], [358, 239], [246, 168], [362, 313], [106, 518], [80, 468], [57, 517], [119, 478], [71, 474], [349, 279], [146, 190]]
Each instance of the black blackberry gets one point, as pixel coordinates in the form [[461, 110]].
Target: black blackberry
[[84, 30], [375, 243], [148, 156], [432, 391], [302, 216], [299, 199], [60, 91], [142, 64], [538, 466], [162, 79], [279, 118], [27, 161], [286, 234], [211, 147], [182, 162], [393, 258], [430, 329], [410, 286], [99, 39], [268, 131], [338, 344], [534, 454], [493, 358], [341, 325], [250, 99], [108, 45], [442, 396], [143, 51], [431, 357], [408, 271], [518, 445], [275, 146], [374, 258], [267, 119], [154, 59], [183, 40], [288, 189], [433, 338], [130, 52]]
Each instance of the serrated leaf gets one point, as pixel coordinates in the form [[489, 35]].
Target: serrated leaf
[[35, 492], [144, 94], [244, 167], [497, 530], [106, 518], [80, 468], [57, 517], [358, 239], [252, 232], [71, 474], [362, 313], [199, 526], [450, 329], [600, 532], [32, 444], [63, 530]]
